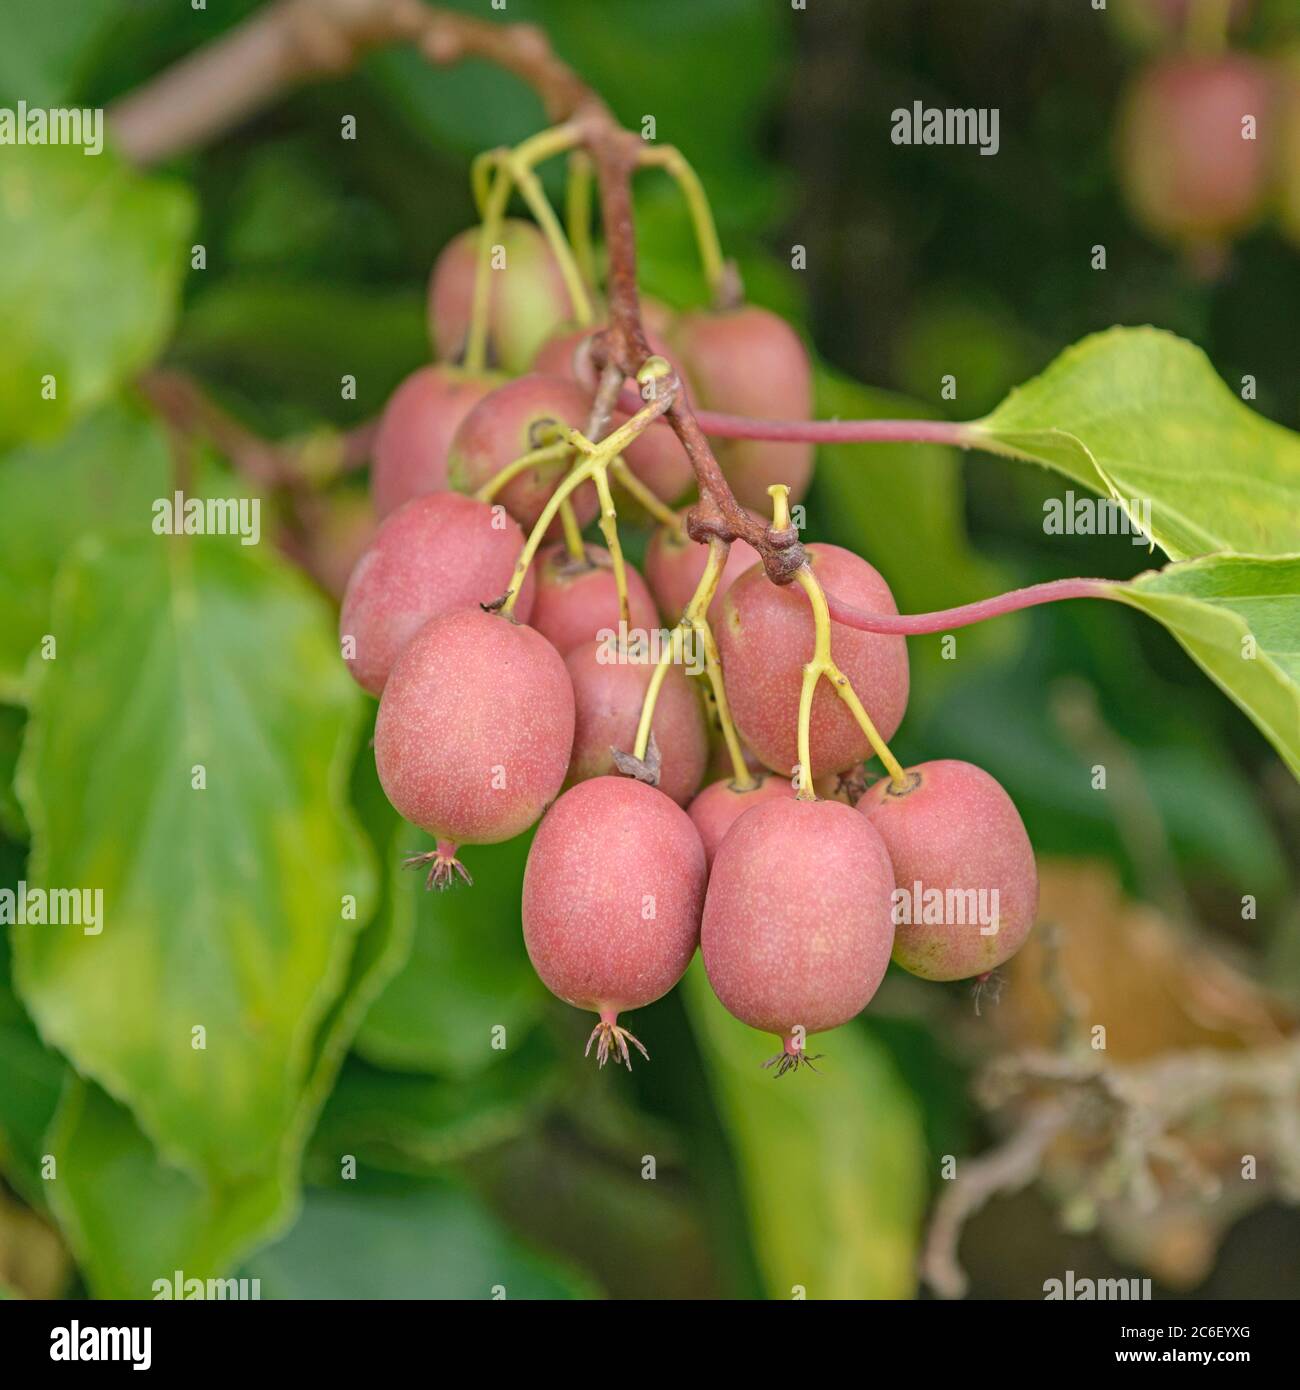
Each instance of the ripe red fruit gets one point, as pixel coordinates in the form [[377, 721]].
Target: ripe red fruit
[[415, 431], [612, 897], [608, 695], [674, 565], [720, 805], [765, 638], [510, 422], [955, 838], [796, 931], [438, 553], [576, 599], [528, 297], [1187, 172], [656, 457], [474, 732], [748, 361]]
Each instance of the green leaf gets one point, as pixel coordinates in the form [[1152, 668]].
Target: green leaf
[[42, 57], [129, 1215], [467, 975], [1139, 414], [831, 1165], [900, 506], [223, 907], [100, 478], [407, 1123], [12, 821], [431, 1240], [91, 258], [1239, 618], [33, 1075]]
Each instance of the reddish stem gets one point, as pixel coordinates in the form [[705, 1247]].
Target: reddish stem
[[914, 624], [721, 426]]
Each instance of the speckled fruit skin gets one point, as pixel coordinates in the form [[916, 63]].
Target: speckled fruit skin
[[656, 457], [505, 425], [528, 298], [574, 603], [1185, 169], [415, 433], [674, 565], [719, 806], [797, 929], [608, 698], [766, 637], [748, 361], [437, 553], [605, 854], [475, 728], [957, 828]]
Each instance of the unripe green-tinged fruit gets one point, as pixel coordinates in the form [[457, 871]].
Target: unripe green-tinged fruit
[[475, 728], [437, 553], [528, 297], [748, 361], [963, 865], [608, 694], [656, 456], [1188, 173], [577, 599], [674, 566], [1159, 22], [766, 637], [796, 931], [510, 422], [612, 898], [721, 804], [415, 432]]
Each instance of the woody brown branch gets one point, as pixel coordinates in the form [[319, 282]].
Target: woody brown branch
[[294, 41]]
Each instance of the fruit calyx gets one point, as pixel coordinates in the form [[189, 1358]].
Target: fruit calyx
[[791, 1058], [443, 866], [611, 1039]]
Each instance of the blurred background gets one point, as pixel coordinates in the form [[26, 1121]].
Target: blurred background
[[528, 1168]]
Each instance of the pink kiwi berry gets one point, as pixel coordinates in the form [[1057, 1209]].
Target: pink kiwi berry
[[577, 599], [608, 694], [415, 432], [749, 361], [797, 929], [765, 637], [509, 422], [612, 898], [721, 804], [656, 457], [437, 553], [966, 878], [1188, 172], [674, 565], [528, 297], [474, 732]]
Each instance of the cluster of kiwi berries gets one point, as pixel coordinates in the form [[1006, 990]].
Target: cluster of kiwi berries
[[490, 721]]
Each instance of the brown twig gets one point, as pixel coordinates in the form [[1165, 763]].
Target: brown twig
[[193, 414], [1135, 1118], [293, 41]]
